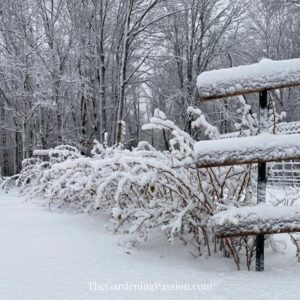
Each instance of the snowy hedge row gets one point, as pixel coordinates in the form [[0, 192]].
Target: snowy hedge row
[[143, 189]]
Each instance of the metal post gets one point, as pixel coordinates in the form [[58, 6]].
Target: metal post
[[262, 178]]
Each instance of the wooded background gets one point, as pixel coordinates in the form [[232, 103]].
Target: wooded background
[[71, 70]]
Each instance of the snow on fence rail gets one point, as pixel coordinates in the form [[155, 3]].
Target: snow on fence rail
[[260, 219], [265, 75], [284, 173], [245, 150]]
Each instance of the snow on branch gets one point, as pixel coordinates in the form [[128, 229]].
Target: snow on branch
[[262, 218], [267, 74], [261, 148], [211, 131], [181, 138]]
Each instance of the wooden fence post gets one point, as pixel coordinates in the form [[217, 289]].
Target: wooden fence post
[[262, 177]]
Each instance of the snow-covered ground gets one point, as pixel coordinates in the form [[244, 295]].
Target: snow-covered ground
[[63, 255]]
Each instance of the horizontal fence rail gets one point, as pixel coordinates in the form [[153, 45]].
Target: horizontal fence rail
[[285, 173]]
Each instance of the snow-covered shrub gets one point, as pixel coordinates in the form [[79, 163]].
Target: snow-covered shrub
[[143, 189], [62, 153], [32, 176], [6, 183]]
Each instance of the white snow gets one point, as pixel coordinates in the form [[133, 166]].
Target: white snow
[[41, 152], [56, 255], [262, 218], [263, 147], [267, 74], [263, 211]]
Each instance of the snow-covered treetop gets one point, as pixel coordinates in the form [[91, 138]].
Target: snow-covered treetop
[[253, 149], [267, 74]]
